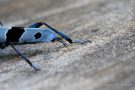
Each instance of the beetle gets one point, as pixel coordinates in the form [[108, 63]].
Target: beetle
[[30, 35]]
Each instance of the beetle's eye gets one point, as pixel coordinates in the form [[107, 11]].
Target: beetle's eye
[[37, 35]]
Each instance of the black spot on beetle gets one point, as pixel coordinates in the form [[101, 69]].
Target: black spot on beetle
[[14, 34], [37, 35]]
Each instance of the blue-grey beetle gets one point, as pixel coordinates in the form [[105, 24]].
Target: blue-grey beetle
[[30, 35]]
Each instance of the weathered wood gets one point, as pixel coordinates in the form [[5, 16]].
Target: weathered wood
[[108, 63]]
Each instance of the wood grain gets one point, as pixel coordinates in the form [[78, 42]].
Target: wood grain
[[108, 63]]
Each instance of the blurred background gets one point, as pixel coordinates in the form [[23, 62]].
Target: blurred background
[[107, 63], [19, 12]]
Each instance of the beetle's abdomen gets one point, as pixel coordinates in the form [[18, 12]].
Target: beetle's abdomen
[[25, 35], [10, 34]]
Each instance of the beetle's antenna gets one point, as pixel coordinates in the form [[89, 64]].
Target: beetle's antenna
[[27, 60]]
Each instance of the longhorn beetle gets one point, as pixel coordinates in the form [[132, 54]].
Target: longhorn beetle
[[30, 35]]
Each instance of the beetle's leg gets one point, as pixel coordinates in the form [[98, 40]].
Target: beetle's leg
[[81, 41], [74, 42], [59, 33], [66, 37], [1, 23], [27, 60], [60, 40]]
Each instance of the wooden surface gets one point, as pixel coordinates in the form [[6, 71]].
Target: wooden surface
[[108, 63]]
